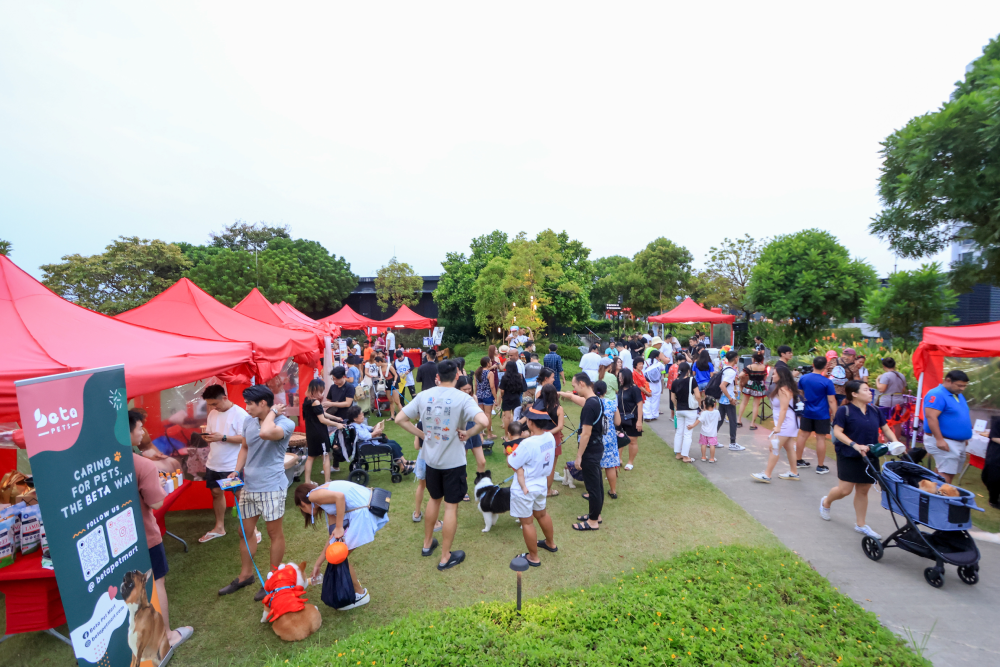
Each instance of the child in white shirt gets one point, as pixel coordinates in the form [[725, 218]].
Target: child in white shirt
[[709, 420], [532, 461]]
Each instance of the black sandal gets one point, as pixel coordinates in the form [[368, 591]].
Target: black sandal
[[525, 557], [583, 527], [586, 517], [543, 545], [613, 496]]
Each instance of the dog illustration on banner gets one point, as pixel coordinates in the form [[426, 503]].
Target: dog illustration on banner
[[147, 633]]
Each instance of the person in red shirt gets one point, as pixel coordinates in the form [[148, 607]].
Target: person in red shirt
[[151, 497]]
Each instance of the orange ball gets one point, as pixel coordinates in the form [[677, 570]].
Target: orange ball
[[336, 553]]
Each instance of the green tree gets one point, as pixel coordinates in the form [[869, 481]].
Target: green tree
[[5, 247], [568, 289], [253, 238], [397, 285], [298, 271], [492, 305], [603, 290], [454, 294], [912, 300], [728, 270], [810, 279], [659, 274], [940, 177], [129, 272]]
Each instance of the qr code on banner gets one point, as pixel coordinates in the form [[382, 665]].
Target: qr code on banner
[[121, 531], [93, 552]]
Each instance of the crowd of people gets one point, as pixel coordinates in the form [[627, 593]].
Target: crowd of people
[[630, 382]]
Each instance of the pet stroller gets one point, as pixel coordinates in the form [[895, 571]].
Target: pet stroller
[[949, 517], [365, 456]]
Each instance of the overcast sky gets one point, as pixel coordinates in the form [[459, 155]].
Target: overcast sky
[[414, 127]]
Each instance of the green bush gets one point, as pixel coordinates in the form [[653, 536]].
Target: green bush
[[464, 350], [569, 352], [717, 606]]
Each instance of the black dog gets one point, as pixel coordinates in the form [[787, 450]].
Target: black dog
[[492, 500]]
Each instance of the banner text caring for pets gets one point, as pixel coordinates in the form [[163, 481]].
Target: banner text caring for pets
[[92, 483]]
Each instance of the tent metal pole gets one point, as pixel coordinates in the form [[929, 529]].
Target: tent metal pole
[[916, 411]]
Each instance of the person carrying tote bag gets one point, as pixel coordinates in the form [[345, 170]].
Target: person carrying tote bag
[[687, 398]]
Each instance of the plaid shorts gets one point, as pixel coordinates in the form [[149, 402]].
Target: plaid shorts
[[268, 504]]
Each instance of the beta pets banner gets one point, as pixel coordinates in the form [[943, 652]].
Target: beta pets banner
[[77, 437]]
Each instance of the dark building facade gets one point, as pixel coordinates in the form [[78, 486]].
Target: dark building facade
[[979, 306], [364, 303]]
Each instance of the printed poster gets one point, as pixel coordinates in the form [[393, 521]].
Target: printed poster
[[77, 438]]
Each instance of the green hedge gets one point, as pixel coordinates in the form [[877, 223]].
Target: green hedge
[[464, 350], [569, 352], [717, 606]]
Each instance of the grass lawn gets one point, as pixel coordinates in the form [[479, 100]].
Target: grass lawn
[[714, 606]]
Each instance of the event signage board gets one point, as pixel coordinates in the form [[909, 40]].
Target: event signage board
[[77, 437]]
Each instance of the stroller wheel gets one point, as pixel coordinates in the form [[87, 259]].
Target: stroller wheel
[[969, 574], [872, 547], [359, 477], [396, 478], [934, 577]]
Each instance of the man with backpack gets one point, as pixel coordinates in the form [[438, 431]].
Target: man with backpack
[[722, 387]]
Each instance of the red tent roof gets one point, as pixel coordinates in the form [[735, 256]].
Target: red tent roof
[[689, 311], [973, 340], [43, 334], [187, 309], [407, 319], [257, 306], [296, 314], [346, 318]]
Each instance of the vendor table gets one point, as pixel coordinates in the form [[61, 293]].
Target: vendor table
[[161, 513], [31, 597]]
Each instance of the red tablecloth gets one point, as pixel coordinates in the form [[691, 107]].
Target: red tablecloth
[[414, 356], [31, 596]]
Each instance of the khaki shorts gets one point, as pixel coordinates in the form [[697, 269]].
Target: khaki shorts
[[268, 504], [946, 461], [521, 506]]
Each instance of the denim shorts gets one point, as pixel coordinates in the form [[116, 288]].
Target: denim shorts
[[420, 471]]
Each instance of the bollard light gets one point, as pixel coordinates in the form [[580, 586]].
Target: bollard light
[[519, 564]]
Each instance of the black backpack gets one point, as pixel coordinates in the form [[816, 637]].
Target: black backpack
[[714, 388]]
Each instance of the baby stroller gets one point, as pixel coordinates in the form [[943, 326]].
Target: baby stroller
[[949, 518], [364, 456]]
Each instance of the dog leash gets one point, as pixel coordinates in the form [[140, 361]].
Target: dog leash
[[232, 487]]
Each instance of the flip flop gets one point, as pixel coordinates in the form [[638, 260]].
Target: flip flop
[[186, 633], [209, 536], [585, 517], [525, 557], [418, 518], [543, 545], [711, 460], [583, 527]]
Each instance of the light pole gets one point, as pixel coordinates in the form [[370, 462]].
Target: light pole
[[519, 564]]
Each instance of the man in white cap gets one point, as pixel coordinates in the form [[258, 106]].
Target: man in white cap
[[655, 344]]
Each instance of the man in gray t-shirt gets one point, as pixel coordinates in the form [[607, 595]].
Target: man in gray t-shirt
[[444, 411], [262, 460]]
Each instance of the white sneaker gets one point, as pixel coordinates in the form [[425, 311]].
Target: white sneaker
[[733, 447], [361, 599], [789, 475], [865, 530], [824, 512], [761, 477], [628, 466]]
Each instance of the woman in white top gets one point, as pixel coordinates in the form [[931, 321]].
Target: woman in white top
[[345, 505]]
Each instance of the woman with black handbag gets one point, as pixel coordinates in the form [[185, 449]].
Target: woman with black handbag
[[353, 517], [630, 405]]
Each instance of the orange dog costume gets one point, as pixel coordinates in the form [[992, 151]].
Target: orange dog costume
[[284, 595]]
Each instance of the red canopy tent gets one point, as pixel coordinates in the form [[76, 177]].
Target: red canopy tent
[[185, 308], [44, 334], [407, 319], [294, 313], [346, 318], [257, 306], [689, 311]]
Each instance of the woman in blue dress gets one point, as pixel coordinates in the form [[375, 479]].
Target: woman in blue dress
[[345, 505]]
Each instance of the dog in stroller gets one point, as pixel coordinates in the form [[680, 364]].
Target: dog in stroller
[[366, 450], [906, 492]]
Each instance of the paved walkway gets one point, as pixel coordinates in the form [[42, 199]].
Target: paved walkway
[[963, 617]]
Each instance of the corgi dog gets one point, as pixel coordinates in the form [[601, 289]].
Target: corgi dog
[[491, 500], [291, 619], [147, 633]]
